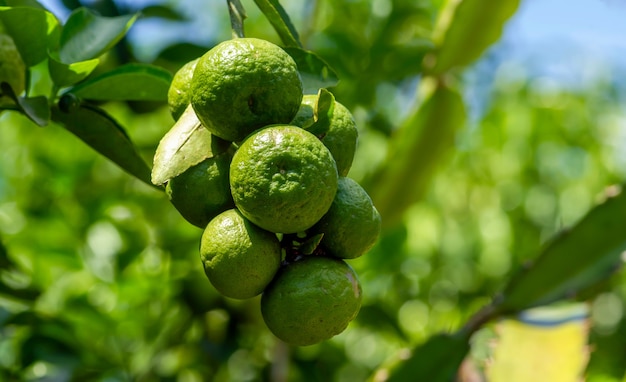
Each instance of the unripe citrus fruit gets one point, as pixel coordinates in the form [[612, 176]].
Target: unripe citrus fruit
[[283, 179], [352, 224], [12, 68], [203, 190], [311, 300], [244, 84], [239, 258], [178, 96], [341, 137]]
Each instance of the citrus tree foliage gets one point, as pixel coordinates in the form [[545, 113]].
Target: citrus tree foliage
[[486, 213]]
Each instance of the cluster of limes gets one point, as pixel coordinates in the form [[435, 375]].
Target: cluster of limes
[[278, 212]]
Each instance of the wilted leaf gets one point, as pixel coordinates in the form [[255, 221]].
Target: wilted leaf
[[131, 82], [100, 131], [186, 144], [86, 35]]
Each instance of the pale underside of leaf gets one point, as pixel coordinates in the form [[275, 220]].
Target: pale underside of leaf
[[186, 144]]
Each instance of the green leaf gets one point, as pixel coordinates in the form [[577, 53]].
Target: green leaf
[[437, 360], [309, 246], [23, 3], [68, 74], [185, 145], [574, 260], [130, 82], [181, 53], [474, 26], [162, 12], [35, 32], [322, 113], [415, 150], [100, 131], [86, 35], [276, 15], [315, 73], [35, 108]]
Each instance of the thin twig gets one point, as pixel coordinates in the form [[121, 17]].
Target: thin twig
[[237, 16]]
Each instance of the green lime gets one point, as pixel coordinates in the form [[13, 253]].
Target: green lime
[[12, 68], [203, 190], [311, 300], [239, 258], [341, 136], [244, 84], [352, 224], [178, 96], [283, 179]]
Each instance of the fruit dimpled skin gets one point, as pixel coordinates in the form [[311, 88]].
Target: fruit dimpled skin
[[283, 179], [239, 258], [352, 224], [178, 95], [244, 84], [311, 300], [341, 137]]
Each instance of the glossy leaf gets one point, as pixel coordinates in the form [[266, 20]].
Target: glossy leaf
[[100, 131], [35, 31], [131, 82], [35, 108], [276, 15], [437, 360], [23, 3], [322, 113], [574, 260], [475, 25], [68, 74], [415, 151], [162, 12], [86, 35], [314, 71], [185, 145]]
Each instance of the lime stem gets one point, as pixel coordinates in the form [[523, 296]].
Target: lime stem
[[237, 16]]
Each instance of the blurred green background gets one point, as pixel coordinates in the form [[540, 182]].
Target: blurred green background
[[100, 277]]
